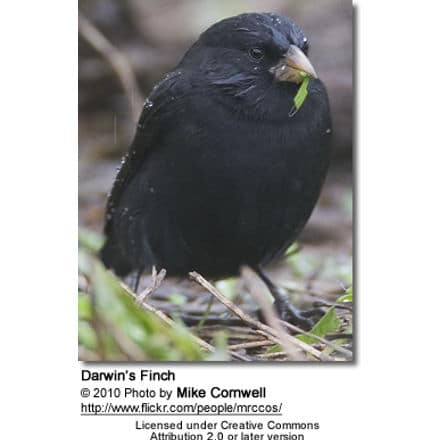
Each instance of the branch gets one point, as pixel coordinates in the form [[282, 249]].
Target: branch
[[174, 325], [267, 331], [269, 314], [116, 59]]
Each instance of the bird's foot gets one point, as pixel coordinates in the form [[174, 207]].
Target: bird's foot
[[305, 319]]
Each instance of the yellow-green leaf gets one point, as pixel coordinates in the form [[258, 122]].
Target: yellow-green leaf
[[302, 93], [329, 323]]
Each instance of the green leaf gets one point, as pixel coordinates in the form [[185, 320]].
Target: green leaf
[[90, 240], [347, 296], [302, 93], [157, 340], [84, 307], [275, 349], [114, 326], [292, 250], [329, 323], [87, 336]]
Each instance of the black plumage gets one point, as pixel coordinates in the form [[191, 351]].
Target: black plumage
[[220, 174]]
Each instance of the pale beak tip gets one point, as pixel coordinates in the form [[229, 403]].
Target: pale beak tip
[[296, 59]]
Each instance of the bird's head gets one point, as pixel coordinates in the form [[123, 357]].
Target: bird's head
[[259, 59]]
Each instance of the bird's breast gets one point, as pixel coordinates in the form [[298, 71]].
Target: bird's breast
[[243, 191]]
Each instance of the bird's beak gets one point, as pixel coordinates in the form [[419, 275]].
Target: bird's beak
[[294, 67]]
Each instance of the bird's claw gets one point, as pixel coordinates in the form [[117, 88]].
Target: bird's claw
[[305, 319]]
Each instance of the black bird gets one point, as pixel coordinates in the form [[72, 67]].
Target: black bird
[[223, 170]]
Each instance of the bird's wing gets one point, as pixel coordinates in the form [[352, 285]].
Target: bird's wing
[[161, 103]]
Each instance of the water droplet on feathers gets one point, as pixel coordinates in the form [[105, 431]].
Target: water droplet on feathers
[[148, 103]]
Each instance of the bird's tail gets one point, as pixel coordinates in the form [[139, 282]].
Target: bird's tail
[[112, 258]]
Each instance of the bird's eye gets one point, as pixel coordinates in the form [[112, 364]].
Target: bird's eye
[[305, 46], [256, 54]]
